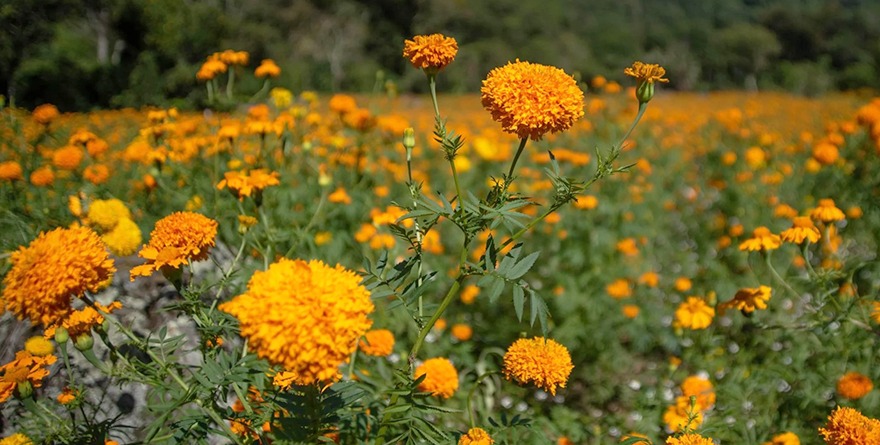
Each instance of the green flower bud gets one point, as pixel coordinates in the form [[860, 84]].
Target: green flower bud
[[409, 138], [84, 342], [61, 335]]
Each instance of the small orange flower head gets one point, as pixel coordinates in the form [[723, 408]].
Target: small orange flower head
[[430, 53], [543, 362], [441, 378]]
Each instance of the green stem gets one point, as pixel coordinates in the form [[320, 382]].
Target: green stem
[[471, 395], [229, 81], [453, 291], [432, 82], [519, 150], [642, 107], [776, 275]]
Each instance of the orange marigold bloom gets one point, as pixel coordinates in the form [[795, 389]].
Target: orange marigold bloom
[[342, 103], [67, 158], [694, 314], [785, 211], [267, 68], [801, 229], [628, 247], [619, 288], [45, 114], [646, 72], [16, 439], [689, 439], [462, 332], [81, 322], [431, 53], [854, 385], [650, 279], [762, 240], [304, 316], [683, 284], [379, 343], [700, 388], [543, 362], [67, 396], [676, 415], [748, 299], [42, 176], [786, 438], [847, 426], [827, 212], [176, 239], [360, 119], [825, 153], [210, 69], [10, 171], [243, 184], [23, 368], [476, 436], [97, 174], [441, 378], [530, 99], [106, 213], [51, 270]]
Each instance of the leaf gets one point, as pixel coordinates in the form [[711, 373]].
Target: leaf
[[522, 266], [538, 311], [491, 253], [493, 284], [519, 300]]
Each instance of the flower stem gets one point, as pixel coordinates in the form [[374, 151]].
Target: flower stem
[[776, 275], [447, 299], [519, 150], [471, 395]]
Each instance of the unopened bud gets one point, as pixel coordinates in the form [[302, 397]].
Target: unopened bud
[[644, 91], [24, 389], [84, 342], [409, 138], [61, 335]]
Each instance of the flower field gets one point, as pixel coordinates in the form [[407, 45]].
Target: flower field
[[551, 261]]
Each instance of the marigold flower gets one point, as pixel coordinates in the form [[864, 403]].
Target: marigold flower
[[210, 69], [802, 229], [106, 213], [10, 171], [469, 294], [23, 368], [462, 332], [701, 388], [45, 114], [530, 100], [825, 153], [243, 184], [619, 288], [124, 239], [441, 378], [53, 268], [97, 174], [683, 284], [339, 196], [646, 74], [854, 385], [267, 68], [762, 240], [748, 299], [42, 176], [786, 438], [630, 311], [342, 103], [430, 53], [82, 321], [476, 436], [16, 439], [39, 346], [177, 239], [650, 279], [694, 314], [360, 119], [379, 343], [67, 157], [67, 396], [847, 426], [543, 362], [827, 212], [676, 416], [689, 439], [303, 316], [785, 211]]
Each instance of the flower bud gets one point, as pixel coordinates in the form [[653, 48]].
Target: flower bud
[[61, 335], [84, 342], [409, 138], [24, 389], [644, 91]]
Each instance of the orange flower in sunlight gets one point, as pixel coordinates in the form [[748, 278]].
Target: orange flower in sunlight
[[177, 239], [45, 114], [342, 103], [690, 439], [55, 267], [24, 368], [847, 426], [762, 240], [431, 52], [854, 385], [67, 157], [530, 99], [827, 212], [619, 289], [801, 229], [81, 322], [543, 362], [10, 171], [694, 314], [441, 378], [378, 343], [700, 388], [267, 68], [243, 184], [476, 436], [748, 299], [646, 72], [676, 415], [42, 176]]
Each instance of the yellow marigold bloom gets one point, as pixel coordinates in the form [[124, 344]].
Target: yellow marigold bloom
[[45, 114], [619, 289], [854, 385], [694, 314], [646, 74], [748, 299], [43, 176], [304, 316], [379, 343], [530, 99], [689, 439], [67, 158], [430, 53], [342, 103], [106, 213], [762, 240], [267, 68], [124, 239], [802, 229], [176, 239], [543, 362], [827, 212], [676, 415], [53, 268], [67, 396], [786, 438], [441, 378], [39, 346], [16, 439], [281, 97], [476, 436], [847, 426], [10, 171], [700, 388], [23, 368], [81, 322], [462, 332]]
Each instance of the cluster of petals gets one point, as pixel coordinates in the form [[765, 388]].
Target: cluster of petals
[[802, 228], [827, 212], [748, 299], [689, 439], [305, 317], [378, 343], [25, 367], [267, 68], [441, 378], [847, 426], [762, 240], [430, 52], [646, 72], [55, 267], [854, 385], [530, 99], [177, 239], [242, 183], [543, 362], [476, 436], [694, 313]]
